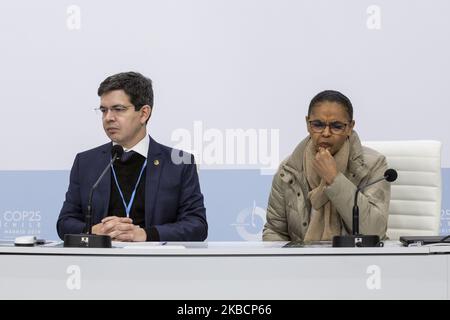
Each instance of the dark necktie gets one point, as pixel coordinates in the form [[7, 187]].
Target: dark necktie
[[127, 156]]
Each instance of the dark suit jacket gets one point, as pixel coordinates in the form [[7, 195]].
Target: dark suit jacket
[[173, 200]]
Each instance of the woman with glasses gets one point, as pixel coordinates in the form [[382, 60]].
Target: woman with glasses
[[312, 192]]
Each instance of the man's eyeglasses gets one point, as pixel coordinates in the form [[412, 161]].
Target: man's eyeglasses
[[336, 127], [117, 109]]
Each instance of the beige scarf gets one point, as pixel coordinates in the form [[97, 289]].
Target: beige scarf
[[325, 221]]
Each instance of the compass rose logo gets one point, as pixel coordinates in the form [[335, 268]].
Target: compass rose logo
[[250, 222]]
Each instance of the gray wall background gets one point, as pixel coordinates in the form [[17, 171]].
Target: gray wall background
[[231, 64]]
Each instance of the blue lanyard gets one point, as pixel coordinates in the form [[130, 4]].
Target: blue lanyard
[[130, 204]]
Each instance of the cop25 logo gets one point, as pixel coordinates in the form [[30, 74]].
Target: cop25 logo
[[250, 222]]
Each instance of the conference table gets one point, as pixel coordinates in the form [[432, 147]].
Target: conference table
[[223, 271]]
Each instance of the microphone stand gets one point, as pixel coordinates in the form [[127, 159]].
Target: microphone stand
[[356, 239], [91, 194], [89, 240]]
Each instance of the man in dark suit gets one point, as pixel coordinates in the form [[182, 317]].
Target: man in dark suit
[[152, 193]]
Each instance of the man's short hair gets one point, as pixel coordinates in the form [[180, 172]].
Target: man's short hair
[[135, 85], [332, 96]]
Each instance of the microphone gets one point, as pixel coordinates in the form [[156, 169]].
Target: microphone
[[356, 239], [390, 175], [88, 239], [116, 153]]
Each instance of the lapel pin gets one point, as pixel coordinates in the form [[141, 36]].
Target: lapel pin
[[156, 162]]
